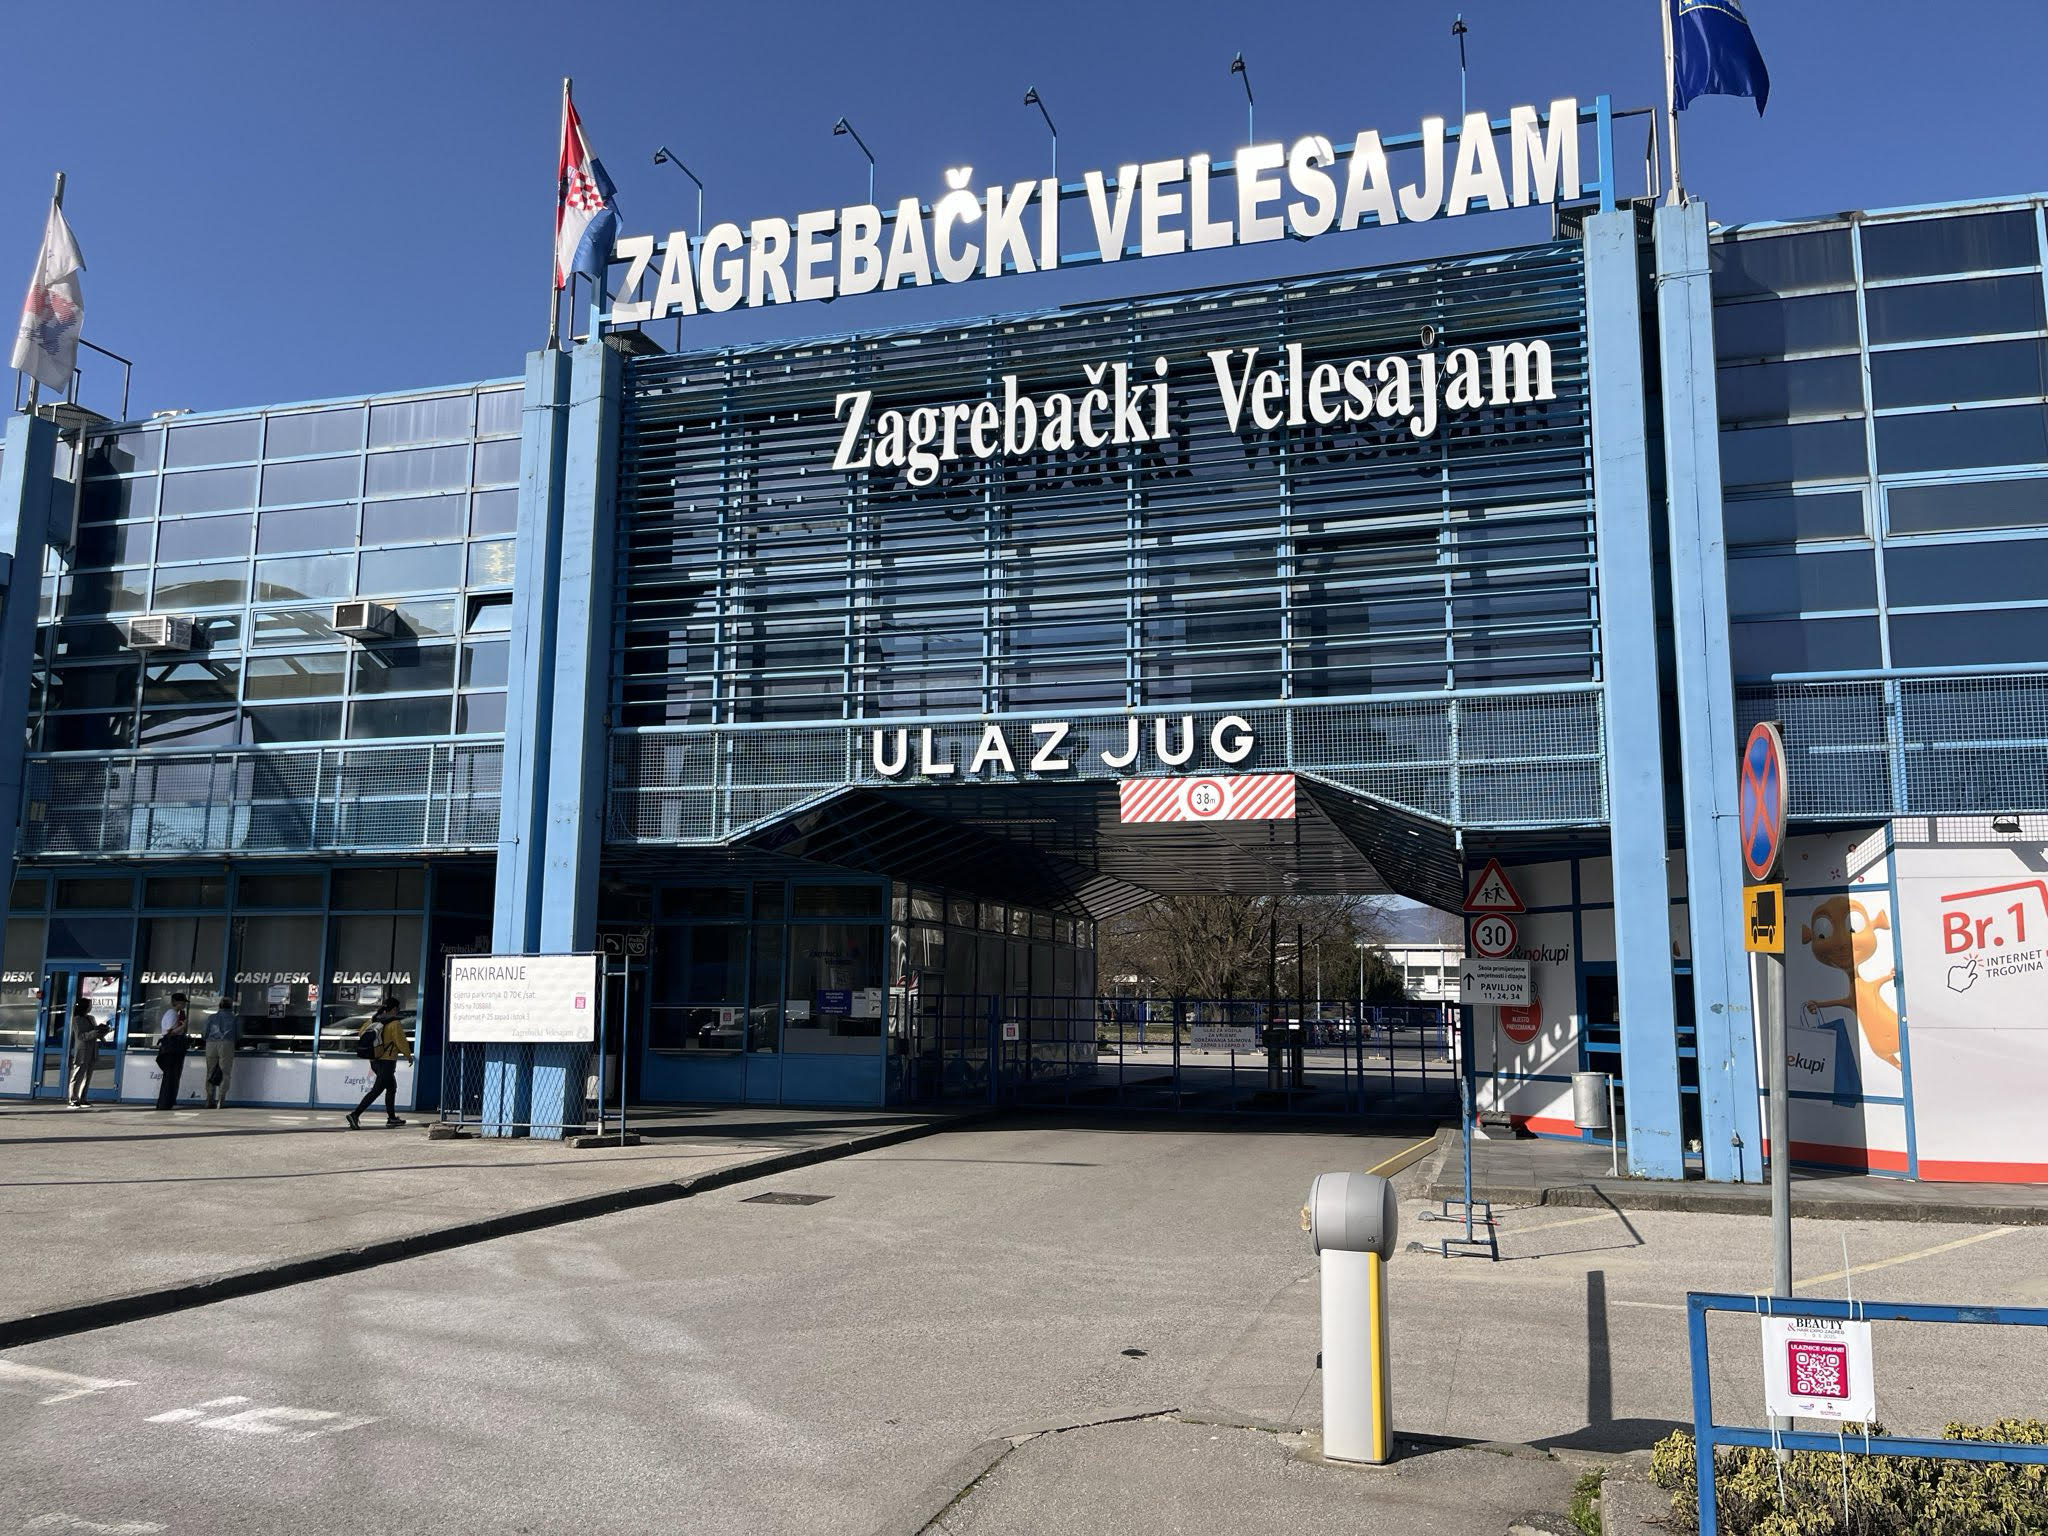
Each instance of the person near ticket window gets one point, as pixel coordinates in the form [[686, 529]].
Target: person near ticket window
[[173, 1041], [223, 1037], [86, 1034], [388, 1047]]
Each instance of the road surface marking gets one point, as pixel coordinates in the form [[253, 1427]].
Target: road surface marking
[[1905, 1258], [60, 1386], [1649, 1306], [59, 1520], [187, 1415]]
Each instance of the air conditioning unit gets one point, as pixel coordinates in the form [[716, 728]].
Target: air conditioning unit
[[159, 632], [365, 620]]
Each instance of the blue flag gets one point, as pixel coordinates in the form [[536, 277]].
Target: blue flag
[[1714, 53]]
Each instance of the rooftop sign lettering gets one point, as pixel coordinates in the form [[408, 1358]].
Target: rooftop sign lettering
[[1270, 191]]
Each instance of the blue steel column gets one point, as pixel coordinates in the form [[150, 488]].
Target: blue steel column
[[578, 750], [1628, 649], [25, 490], [1730, 1120], [529, 712]]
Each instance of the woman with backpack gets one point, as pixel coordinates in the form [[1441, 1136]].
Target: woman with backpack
[[383, 1041]]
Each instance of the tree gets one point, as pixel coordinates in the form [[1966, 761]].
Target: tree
[[1216, 945]]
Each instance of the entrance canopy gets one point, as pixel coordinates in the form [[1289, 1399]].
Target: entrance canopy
[[1062, 846]]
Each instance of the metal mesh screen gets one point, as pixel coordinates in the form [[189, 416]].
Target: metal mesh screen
[[437, 796]]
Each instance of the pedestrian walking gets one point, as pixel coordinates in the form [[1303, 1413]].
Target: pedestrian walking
[[171, 1047], [223, 1037], [86, 1034], [383, 1041]]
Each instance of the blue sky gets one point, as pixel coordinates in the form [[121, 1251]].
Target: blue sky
[[281, 202]]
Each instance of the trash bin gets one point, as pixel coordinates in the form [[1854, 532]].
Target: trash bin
[[1589, 1101]]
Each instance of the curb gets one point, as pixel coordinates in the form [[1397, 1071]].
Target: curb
[[105, 1312], [1654, 1196]]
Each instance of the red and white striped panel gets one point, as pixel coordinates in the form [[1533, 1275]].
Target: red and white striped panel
[[1231, 797]]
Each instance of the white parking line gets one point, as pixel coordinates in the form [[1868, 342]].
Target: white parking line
[[1552, 1226], [57, 1386], [62, 1520]]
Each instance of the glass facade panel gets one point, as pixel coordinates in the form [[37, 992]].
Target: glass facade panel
[[291, 722], [302, 675], [493, 512], [422, 568], [828, 963], [302, 432], [21, 980], [125, 453], [1783, 264], [277, 965], [699, 996], [213, 442], [1792, 519], [498, 463], [1782, 584], [1817, 645], [1983, 306], [1979, 439], [103, 501], [479, 713], [490, 564], [1774, 327], [204, 538], [404, 668], [425, 716], [1961, 506], [211, 490], [115, 544], [415, 470], [497, 412], [1979, 242], [413, 519], [202, 586], [374, 958], [305, 529], [1815, 450], [176, 955], [1814, 386], [437, 419], [2011, 570], [1997, 370], [308, 576], [1989, 638], [312, 480]]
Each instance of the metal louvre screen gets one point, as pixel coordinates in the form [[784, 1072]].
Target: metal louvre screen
[[1316, 572]]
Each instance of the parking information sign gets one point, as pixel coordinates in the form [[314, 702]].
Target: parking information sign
[[522, 999], [1818, 1368]]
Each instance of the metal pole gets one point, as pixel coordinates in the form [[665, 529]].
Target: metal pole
[[35, 385], [1251, 132], [1771, 976], [1033, 99], [554, 273], [1458, 30], [1677, 193], [1613, 1131]]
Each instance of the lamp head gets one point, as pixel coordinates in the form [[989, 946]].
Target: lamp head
[[662, 156], [1031, 97], [1237, 65], [841, 128]]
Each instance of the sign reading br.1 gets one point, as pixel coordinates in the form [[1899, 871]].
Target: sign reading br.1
[[1761, 800], [522, 999]]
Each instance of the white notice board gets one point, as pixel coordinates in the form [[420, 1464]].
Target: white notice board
[[522, 999]]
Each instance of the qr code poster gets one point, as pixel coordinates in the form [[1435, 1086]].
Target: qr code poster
[[1818, 1368]]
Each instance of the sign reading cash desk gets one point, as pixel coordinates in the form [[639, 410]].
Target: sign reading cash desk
[[1273, 192]]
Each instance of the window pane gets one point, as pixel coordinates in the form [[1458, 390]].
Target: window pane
[[293, 626], [813, 900], [97, 732], [94, 893], [1924, 247], [1973, 504], [314, 432], [493, 512], [213, 490], [1783, 263], [1819, 450], [421, 469], [374, 958], [276, 966], [103, 687], [1981, 306], [214, 442], [306, 675], [292, 722], [191, 682], [308, 528], [380, 718], [490, 564], [1802, 583], [202, 586], [115, 544], [124, 453], [185, 891], [1814, 386], [498, 463], [307, 576], [1988, 638], [286, 890], [497, 412], [2011, 570], [1773, 327], [484, 663], [108, 592], [404, 668], [104, 501], [204, 538], [1998, 370], [380, 889], [477, 713], [490, 615], [425, 568], [312, 480], [2009, 434], [420, 421], [188, 727], [1816, 645], [407, 522]]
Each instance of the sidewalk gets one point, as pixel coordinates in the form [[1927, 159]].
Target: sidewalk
[[1543, 1171], [123, 1212]]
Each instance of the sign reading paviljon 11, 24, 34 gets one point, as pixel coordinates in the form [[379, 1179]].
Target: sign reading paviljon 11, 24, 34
[[1268, 192]]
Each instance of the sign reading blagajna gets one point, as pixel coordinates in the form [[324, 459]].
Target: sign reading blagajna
[[1273, 192]]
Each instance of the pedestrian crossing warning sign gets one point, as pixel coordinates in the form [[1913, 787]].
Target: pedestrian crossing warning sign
[[1493, 891], [1763, 919]]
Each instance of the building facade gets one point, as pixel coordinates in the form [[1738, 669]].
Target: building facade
[[753, 665]]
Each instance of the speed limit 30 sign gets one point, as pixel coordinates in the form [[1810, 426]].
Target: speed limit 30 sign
[[1494, 936]]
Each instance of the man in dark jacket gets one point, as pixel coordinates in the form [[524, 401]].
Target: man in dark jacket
[[171, 1047]]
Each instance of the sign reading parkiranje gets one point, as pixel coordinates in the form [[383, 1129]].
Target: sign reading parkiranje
[[522, 999]]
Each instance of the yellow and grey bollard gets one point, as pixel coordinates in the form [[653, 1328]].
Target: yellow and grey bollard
[[1350, 1219]]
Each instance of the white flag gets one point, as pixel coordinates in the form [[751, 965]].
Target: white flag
[[46, 347]]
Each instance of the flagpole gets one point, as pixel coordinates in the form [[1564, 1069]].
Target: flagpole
[[554, 286], [1677, 192], [35, 385]]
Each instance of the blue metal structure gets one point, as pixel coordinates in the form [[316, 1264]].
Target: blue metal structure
[[1708, 1434]]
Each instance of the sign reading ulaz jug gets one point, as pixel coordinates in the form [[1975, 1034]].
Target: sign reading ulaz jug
[[1498, 983], [522, 999]]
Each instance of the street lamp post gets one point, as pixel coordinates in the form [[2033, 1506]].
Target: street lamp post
[[844, 129], [1033, 99]]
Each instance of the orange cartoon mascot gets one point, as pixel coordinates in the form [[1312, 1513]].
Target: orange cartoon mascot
[[1843, 936]]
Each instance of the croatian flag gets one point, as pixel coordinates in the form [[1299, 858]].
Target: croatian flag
[[46, 346], [586, 219], [1714, 53]]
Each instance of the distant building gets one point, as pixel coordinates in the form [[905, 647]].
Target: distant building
[[1425, 946]]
